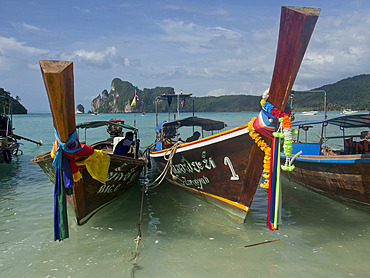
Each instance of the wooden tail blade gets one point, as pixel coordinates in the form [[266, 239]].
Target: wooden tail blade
[[58, 79], [296, 27]]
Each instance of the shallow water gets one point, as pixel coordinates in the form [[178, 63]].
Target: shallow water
[[183, 235]]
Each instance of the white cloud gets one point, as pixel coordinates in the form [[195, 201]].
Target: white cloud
[[13, 52], [11, 45], [35, 66], [339, 48], [197, 10], [219, 12], [196, 38], [102, 59], [83, 10], [219, 92], [21, 26], [32, 28]]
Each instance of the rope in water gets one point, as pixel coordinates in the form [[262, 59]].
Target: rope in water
[[152, 185], [139, 236]]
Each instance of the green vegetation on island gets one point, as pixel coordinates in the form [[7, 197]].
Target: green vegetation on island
[[17, 108], [351, 93]]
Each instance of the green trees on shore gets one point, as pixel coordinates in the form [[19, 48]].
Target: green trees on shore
[[6, 98], [351, 93]]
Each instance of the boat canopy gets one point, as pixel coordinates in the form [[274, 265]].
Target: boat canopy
[[350, 121], [172, 96], [95, 124], [206, 124]]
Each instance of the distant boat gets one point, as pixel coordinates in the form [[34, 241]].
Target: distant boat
[[9, 144], [309, 113], [348, 111], [340, 172]]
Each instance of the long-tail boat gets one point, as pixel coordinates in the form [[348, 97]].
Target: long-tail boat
[[99, 176], [8, 143], [226, 167], [336, 163]]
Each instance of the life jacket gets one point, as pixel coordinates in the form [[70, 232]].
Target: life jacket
[[349, 146], [168, 143], [363, 147]]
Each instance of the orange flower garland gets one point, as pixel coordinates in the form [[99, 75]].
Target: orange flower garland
[[258, 139], [265, 148], [286, 122]]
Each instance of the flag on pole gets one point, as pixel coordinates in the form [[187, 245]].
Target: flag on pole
[[182, 100], [136, 98]]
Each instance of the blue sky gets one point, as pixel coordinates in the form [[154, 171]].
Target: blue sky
[[202, 47]]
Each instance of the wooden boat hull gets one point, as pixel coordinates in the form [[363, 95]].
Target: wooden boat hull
[[239, 162], [215, 168], [345, 176], [89, 195]]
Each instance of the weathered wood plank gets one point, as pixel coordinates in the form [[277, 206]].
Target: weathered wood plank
[[58, 80]]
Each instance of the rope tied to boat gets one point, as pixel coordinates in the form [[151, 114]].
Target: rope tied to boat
[[139, 237], [170, 154], [152, 185]]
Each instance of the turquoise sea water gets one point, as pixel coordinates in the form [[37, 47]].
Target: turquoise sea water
[[183, 235]]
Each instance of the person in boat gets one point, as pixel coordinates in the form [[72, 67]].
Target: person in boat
[[363, 146], [123, 146], [168, 134], [194, 137]]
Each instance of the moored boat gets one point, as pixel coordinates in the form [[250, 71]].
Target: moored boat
[[348, 111], [226, 167], [90, 195], [338, 164], [92, 175], [213, 165], [309, 113], [9, 145]]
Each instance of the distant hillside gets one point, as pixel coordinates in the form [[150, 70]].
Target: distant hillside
[[17, 108], [230, 103], [351, 93]]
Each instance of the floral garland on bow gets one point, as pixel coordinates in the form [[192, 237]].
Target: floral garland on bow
[[265, 148], [288, 140], [268, 107]]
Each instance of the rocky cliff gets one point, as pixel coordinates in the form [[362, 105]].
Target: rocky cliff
[[6, 99], [121, 94]]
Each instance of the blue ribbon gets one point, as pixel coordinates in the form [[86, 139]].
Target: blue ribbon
[[64, 147], [268, 107], [63, 184]]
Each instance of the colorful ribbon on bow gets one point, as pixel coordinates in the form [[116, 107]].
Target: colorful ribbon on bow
[[65, 167]]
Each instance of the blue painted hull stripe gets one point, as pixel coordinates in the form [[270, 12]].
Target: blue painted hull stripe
[[363, 160]]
